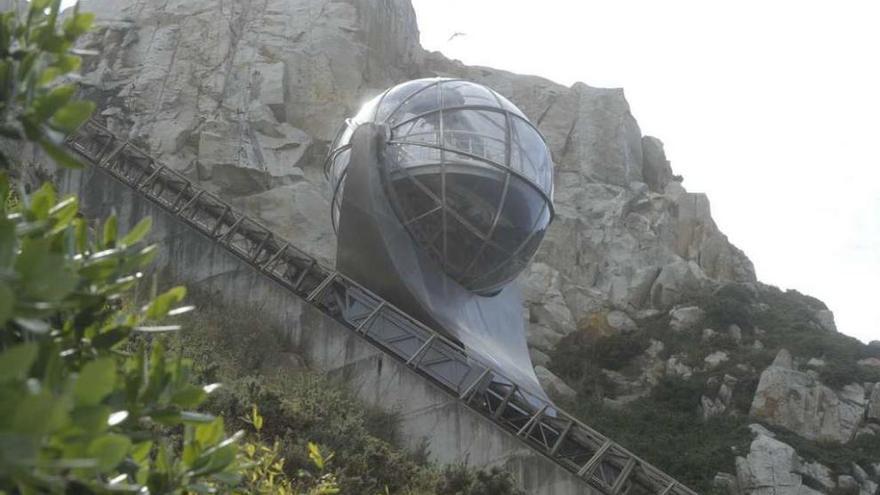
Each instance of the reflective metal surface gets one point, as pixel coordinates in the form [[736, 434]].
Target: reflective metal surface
[[467, 174], [375, 250]]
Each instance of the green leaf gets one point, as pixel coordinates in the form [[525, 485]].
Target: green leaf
[[63, 213], [59, 154], [16, 361], [42, 201], [48, 75], [95, 381], [72, 115], [45, 276], [92, 419], [4, 192], [163, 303], [110, 338], [78, 25], [218, 460], [33, 415], [7, 303], [81, 235], [111, 229], [138, 232], [68, 63], [47, 105], [141, 452], [7, 242], [189, 396], [109, 450], [208, 434], [315, 455]]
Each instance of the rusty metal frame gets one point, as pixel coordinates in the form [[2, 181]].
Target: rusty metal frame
[[598, 461]]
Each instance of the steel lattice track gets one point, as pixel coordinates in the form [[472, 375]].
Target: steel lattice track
[[588, 454]]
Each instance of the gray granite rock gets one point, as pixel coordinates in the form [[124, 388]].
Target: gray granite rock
[[799, 402], [685, 318], [244, 97]]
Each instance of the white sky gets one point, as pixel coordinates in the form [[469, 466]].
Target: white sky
[[770, 107]]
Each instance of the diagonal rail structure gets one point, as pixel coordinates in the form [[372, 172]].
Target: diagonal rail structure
[[595, 459]]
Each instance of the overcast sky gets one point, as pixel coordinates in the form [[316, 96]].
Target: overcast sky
[[770, 107]]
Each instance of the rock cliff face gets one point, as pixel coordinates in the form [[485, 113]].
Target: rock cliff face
[[245, 96], [799, 402]]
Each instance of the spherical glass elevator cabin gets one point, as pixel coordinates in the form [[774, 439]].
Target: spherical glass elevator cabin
[[466, 173]]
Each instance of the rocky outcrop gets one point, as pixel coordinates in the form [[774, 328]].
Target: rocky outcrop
[[774, 468], [245, 97], [799, 402], [874, 404], [770, 468]]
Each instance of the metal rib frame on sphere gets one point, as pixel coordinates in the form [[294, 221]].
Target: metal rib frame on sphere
[[594, 458], [510, 125]]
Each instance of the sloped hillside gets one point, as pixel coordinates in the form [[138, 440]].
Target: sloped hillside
[[642, 315], [741, 389]]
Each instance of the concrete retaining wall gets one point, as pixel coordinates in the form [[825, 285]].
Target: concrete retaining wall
[[454, 433]]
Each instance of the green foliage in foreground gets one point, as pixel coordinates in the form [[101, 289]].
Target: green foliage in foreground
[[83, 407], [38, 63]]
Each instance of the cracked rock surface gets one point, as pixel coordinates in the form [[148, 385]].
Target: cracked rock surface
[[244, 97]]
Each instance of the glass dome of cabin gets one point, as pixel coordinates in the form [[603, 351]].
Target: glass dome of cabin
[[467, 174]]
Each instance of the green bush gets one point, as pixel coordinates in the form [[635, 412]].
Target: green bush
[[579, 349], [232, 344], [460, 480], [37, 102], [653, 429], [678, 395], [83, 405], [729, 305]]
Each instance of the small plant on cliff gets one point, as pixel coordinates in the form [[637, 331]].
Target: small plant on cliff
[[38, 64]]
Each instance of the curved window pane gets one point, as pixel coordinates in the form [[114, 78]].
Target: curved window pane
[[367, 113], [476, 132], [474, 197], [464, 93], [462, 246], [421, 102], [510, 107], [522, 210], [396, 95], [424, 129], [410, 156], [529, 155]]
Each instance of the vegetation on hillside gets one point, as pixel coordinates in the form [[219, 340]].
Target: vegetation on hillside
[[668, 418], [258, 366]]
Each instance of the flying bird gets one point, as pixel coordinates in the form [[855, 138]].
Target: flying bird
[[456, 35]]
